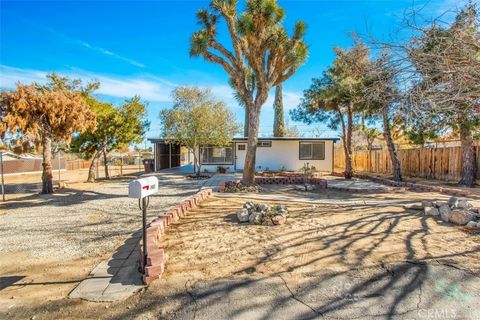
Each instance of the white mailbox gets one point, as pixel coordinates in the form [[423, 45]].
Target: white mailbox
[[143, 187]]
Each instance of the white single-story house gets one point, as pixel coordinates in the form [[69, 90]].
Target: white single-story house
[[289, 153]]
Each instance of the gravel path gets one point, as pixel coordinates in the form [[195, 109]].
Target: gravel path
[[87, 220]]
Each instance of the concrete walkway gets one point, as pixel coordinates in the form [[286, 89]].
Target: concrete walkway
[[114, 279], [355, 185], [118, 277], [218, 178]]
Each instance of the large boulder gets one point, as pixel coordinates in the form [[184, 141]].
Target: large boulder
[[263, 207], [438, 204], [427, 204], [431, 211], [249, 205], [256, 217], [243, 215], [472, 224], [444, 212], [451, 201], [279, 219], [462, 203], [413, 206], [460, 217]]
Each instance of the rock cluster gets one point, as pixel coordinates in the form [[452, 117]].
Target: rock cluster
[[238, 186], [262, 214], [456, 210], [305, 187]]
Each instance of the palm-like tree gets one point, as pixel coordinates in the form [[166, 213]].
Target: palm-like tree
[[263, 56], [278, 121]]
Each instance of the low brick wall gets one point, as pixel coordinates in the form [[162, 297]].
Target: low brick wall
[[156, 256], [413, 186], [321, 183]]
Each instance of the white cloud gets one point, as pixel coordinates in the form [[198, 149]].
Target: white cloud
[[109, 53], [147, 87]]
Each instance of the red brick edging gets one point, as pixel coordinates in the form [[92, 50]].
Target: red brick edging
[[156, 256], [414, 186], [322, 183]]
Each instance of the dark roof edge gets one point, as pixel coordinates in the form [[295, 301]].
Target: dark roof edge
[[266, 138]]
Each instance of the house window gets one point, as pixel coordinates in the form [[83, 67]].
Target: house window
[[241, 147], [312, 150], [264, 143], [216, 155]]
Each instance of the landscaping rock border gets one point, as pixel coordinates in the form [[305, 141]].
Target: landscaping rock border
[[458, 211], [156, 256], [318, 182]]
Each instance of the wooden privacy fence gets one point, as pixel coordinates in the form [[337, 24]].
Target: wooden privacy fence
[[428, 163]]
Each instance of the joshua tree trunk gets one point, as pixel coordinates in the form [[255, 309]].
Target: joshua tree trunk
[[249, 167], [279, 123], [93, 166], [105, 162], [47, 175], [387, 134], [469, 169]]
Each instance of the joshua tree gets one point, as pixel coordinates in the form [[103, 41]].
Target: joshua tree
[[278, 121], [263, 56]]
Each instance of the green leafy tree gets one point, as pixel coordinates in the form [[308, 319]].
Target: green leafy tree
[[197, 119], [337, 97], [116, 127], [263, 56], [49, 114]]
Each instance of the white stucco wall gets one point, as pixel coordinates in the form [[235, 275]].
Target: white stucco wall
[[284, 153]]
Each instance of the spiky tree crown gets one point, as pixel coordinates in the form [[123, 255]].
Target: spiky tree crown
[[263, 54]]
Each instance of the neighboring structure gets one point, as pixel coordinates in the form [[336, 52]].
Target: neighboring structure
[[272, 154], [27, 163]]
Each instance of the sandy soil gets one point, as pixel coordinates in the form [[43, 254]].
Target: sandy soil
[[333, 236], [335, 232]]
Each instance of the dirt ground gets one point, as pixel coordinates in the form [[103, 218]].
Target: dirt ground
[[49, 243], [331, 232], [332, 236]]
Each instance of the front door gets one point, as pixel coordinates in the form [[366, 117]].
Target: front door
[[240, 152]]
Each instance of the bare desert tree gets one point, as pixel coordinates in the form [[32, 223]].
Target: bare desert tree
[[381, 97], [447, 92], [439, 69], [263, 56]]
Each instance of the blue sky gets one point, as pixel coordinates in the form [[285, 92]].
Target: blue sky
[[142, 47]]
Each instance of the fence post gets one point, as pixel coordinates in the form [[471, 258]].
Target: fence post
[[3, 181], [58, 163], [139, 161], [121, 164]]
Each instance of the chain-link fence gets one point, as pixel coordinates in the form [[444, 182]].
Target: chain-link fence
[[21, 175]]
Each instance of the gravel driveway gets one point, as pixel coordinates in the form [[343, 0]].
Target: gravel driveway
[[85, 220]]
